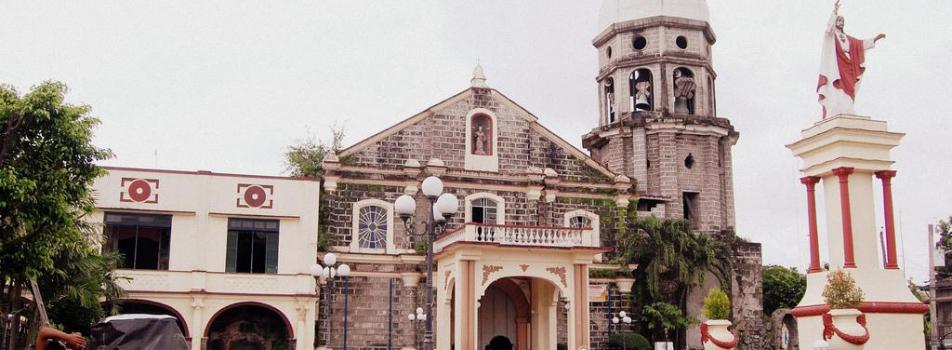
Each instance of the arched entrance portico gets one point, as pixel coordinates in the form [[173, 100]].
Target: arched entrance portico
[[249, 326], [504, 311], [490, 292]]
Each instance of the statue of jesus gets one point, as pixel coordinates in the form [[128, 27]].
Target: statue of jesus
[[841, 66]]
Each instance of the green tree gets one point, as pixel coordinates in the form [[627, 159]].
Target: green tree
[[671, 258], [944, 229], [783, 287], [47, 167], [306, 157], [662, 318]]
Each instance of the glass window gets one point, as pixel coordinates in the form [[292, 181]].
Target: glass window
[[580, 222], [483, 211], [252, 246], [142, 240], [372, 227]]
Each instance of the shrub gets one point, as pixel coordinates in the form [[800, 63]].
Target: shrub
[[629, 340], [717, 306], [841, 291], [601, 273]]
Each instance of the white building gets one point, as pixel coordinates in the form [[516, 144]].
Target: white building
[[228, 255]]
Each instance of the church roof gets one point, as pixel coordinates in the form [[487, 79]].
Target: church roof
[[616, 11]]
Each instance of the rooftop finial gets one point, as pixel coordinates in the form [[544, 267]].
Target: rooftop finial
[[479, 78]]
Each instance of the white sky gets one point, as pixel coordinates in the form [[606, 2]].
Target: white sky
[[227, 85]]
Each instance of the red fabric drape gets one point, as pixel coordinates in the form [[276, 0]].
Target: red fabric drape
[[851, 68]]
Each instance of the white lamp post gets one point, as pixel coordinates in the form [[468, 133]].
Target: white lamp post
[[416, 318], [328, 272], [442, 206], [622, 317]]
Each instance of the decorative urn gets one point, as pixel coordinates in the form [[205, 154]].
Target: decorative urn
[[845, 329], [715, 335]]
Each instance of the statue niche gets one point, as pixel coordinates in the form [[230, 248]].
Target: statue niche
[[684, 87], [639, 84], [481, 141]]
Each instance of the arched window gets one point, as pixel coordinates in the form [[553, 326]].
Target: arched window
[[372, 227], [485, 208], [580, 222], [484, 211], [585, 219], [684, 88], [640, 86], [610, 99], [482, 134]]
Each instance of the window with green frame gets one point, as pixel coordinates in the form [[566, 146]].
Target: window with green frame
[[252, 246]]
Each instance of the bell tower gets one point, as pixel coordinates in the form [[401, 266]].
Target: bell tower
[[657, 119]]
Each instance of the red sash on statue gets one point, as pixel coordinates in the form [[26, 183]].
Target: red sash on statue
[[851, 68]]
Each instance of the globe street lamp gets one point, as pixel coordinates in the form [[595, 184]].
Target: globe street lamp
[[328, 272], [442, 206], [416, 318], [622, 317]]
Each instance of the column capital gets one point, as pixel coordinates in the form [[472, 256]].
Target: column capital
[[885, 174], [844, 171], [809, 180]]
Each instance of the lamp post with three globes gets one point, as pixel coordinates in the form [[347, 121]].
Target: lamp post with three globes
[[327, 273], [442, 206]]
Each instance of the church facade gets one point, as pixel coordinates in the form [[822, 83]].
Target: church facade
[[659, 149], [536, 214]]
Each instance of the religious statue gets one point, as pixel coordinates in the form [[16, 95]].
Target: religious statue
[[642, 96], [683, 92], [841, 66], [480, 142]]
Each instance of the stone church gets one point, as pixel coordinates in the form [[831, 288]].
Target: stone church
[[536, 213]]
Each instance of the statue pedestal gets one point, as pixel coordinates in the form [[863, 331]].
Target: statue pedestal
[[847, 153]]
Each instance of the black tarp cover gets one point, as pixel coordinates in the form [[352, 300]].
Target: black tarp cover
[[138, 332]]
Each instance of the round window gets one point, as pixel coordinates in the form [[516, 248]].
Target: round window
[[639, 42], [682, 42], [608, 52]]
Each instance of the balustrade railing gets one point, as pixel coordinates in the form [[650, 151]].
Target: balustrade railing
[[512, 235]]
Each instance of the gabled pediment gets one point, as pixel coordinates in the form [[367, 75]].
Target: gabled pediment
[[476, 130]]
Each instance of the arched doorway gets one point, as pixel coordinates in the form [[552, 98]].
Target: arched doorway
[[138, 306], [519, 313], [249, 326], [504, 315]]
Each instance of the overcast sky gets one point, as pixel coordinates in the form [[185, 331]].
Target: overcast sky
[[227, 85]]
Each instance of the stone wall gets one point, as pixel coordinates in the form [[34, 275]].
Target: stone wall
[[747, 296], [373, 303], [602, 312]]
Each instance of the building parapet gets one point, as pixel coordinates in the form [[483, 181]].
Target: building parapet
[[163, 281], [513, 235]]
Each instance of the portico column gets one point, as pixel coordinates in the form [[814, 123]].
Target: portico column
[[886, 176], [846, 215], [466, 306], [810, 182], [522, 334], [580, 307]]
